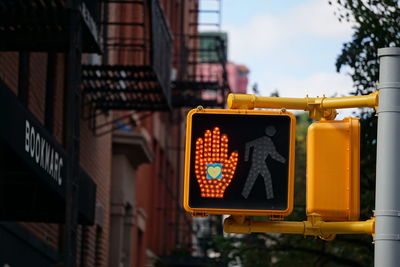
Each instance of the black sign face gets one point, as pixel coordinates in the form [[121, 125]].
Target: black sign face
[[33, 169], [240, 163], [21, 130]]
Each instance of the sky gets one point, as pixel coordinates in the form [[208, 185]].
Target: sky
[[290, 46]]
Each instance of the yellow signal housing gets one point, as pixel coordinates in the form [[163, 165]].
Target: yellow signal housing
[[333, 169]]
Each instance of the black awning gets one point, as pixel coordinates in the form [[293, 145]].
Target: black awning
[[33, 169], [15, 241], [87, 198], [43, 25]]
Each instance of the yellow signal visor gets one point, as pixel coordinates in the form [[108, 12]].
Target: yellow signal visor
[[333, 169], [239, 162]]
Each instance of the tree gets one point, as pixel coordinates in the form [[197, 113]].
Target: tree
[[376, 24], [262, 249]]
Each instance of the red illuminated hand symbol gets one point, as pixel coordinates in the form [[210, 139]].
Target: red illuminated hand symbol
[[214, 171]]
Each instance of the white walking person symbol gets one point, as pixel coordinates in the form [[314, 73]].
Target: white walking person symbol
[[263, 147]]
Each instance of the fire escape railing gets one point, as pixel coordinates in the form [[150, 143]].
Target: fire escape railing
[[161, 47], [204, 78], [136, 64]]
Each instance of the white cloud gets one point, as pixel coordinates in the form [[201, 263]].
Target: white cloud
[[293, 51], [264, 35], [316, 18], [317, 84]]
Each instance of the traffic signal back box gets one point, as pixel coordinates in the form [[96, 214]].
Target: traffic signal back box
[[333, 169]]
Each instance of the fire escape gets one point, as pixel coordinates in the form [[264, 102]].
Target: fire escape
[[43, 25], [134, 73], [202, 60]]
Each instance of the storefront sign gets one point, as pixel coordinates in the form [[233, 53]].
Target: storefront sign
[[25, 135], [42, 153], [33, 169]]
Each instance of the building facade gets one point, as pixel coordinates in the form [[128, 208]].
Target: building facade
[[92, 102]]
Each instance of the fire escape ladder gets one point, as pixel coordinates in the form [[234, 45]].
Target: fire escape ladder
[[209, 15], [202, 62]]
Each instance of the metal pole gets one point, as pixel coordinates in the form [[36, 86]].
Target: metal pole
[[387, 207], [246, 101], [73, 100], [309, 227]]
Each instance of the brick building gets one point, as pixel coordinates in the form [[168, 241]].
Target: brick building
[[92, 97]]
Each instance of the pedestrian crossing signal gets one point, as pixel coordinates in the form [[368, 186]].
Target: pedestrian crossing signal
[[239, 162]]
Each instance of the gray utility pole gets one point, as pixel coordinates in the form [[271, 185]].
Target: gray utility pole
[[387, 207]]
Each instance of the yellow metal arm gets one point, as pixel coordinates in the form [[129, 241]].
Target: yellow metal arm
[[319, 107], [314, 226]]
